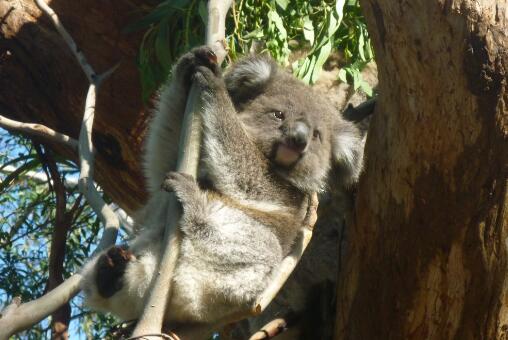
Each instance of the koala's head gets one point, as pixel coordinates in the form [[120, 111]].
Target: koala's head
[[295, 127]]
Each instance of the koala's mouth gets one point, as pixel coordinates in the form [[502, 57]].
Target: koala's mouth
[[287, 155]]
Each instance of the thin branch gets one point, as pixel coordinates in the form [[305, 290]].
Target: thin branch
[[80, 57], [25, 315], [270, 330], [29, 313], [38, 130], [60, 318], [12, 306], [86, 184], [283, 271], [39, 177], [290, 261], [151, 321]]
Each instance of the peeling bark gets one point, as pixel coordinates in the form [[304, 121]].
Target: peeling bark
[[427, 245]]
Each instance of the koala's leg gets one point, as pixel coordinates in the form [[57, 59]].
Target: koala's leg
[[164, 131], [110, 269], [234, 163], [116, 281], [192, 198]]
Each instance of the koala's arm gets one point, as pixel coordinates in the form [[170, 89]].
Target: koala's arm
[[164, 129], [347, 149], [233, 162]]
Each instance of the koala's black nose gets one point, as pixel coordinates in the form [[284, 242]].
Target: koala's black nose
[[299, 135]]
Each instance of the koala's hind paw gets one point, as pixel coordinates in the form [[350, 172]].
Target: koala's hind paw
[[110, 269], [184, 185]]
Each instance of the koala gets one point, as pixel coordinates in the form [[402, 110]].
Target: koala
[[269, 142]]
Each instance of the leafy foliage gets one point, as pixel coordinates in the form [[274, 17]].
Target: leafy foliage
[[172, 27], [27, 216], [281, 27]]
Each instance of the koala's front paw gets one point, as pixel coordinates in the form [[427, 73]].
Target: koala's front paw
[[184, 185], [189, 62], [208, 81], [110, 269]]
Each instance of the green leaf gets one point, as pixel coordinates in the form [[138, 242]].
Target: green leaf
[[356, 79], [30, 165], [282, 3], [324, 53], [308, 73], [162, 51], [301, 66], [178, 4], [308, 30], [343, 75], [274, 17], [361, 46], [256, 34], [366, 88], [336, 21], [152, 18], [202, 11]]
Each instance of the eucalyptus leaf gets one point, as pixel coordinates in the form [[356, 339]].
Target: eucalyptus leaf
[[356, 79], [162, 51], [308, 29], [274, 17], [361, 47], [203, 12], [343, 75], [366, 88], [282, 3], [308, 72], [154, 17], [256, 34], [324, 53]]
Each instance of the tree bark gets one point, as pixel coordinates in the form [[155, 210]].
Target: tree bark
[[40, 81], [427, 244]]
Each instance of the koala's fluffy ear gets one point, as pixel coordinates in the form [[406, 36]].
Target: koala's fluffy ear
[[248, 77], [347, 150]]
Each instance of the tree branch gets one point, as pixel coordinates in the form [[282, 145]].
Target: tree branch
[[270, 330], [38, 130], [61, 317], [80, 57], [17, 317], [151, 320]]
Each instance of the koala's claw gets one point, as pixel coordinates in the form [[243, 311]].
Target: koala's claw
[[110, 269], [206, 56], [197, 57]]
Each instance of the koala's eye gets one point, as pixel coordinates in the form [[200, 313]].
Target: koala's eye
[[279, 115], [316, 134]]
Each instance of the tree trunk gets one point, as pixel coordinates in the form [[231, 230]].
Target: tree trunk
[[41, 82], [427, 245]]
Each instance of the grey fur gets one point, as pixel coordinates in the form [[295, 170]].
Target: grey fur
[[259, 177]]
